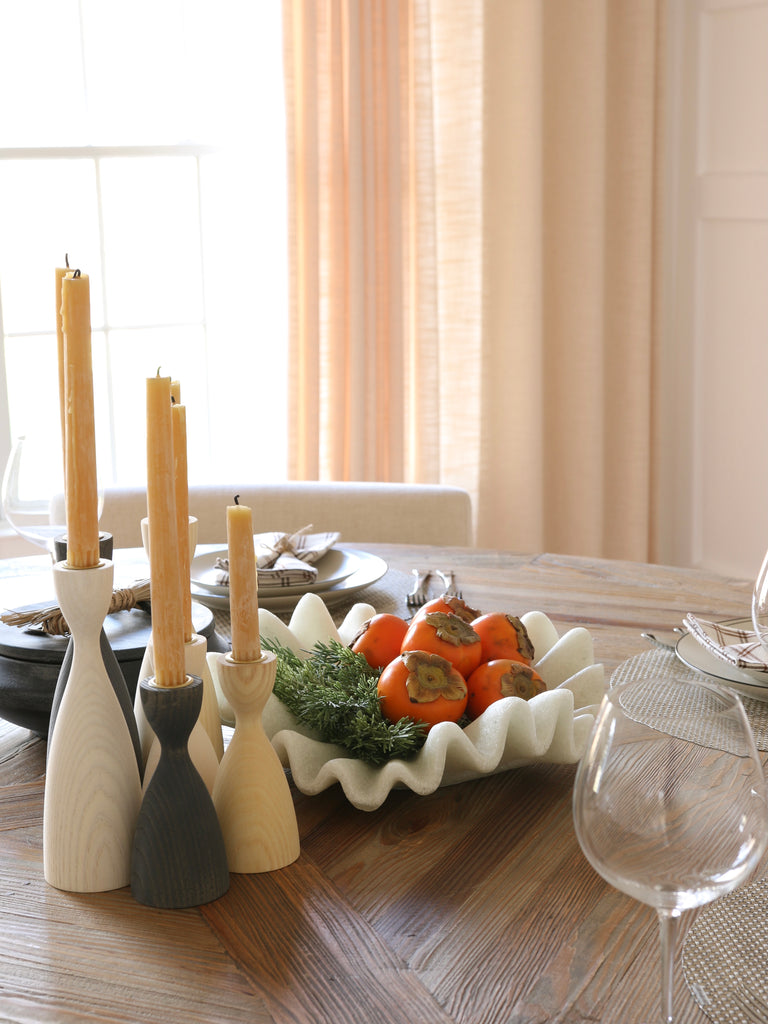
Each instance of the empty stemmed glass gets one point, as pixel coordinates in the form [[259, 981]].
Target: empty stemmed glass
[[670, 801], [760, 605], [32, 491]]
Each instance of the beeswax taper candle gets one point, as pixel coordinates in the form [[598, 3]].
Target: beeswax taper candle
[[181, 482], [82, 499], [61, 272], [243, 584], [164, 556]]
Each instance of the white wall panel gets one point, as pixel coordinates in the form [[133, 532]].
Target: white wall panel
[[722, 78]]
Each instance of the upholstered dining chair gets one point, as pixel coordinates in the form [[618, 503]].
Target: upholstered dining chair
[[359, 511]]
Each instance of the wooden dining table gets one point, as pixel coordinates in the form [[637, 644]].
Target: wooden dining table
[[472, 904]]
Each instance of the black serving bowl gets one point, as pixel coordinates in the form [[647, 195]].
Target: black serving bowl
[[30, 661]]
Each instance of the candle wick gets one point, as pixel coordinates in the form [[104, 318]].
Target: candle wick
[[237, 499], [76, 273]]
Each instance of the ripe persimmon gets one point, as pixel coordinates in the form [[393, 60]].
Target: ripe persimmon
[[503, 636], [449, 636], [423, 687], [380, 638], [449, 605], [504, 677]]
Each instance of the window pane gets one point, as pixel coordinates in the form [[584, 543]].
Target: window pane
[[135, 355], [32, 366], [42, 102], [137, 71], [47, 209], [152, 235]]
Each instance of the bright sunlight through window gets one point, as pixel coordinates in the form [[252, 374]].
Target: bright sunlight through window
[[147, 142]]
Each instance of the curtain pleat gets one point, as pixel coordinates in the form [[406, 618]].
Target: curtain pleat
[[474, 239]]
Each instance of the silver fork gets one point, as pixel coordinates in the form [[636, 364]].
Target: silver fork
[[449, 583], [416, 597]]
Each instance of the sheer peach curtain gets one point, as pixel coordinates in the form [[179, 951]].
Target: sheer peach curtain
[[474, 193]]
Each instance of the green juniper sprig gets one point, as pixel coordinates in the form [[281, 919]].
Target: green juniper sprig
[[334, 692]]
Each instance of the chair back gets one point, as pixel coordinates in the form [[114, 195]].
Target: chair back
[[376, 512]]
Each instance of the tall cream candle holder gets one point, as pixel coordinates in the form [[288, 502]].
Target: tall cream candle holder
[[251, 795], [92, 781], [111, 663]]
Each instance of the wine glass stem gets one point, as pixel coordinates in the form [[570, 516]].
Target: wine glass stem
[[667, 932]]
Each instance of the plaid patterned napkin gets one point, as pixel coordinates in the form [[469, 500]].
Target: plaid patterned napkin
[[283, 559], [739, 647]]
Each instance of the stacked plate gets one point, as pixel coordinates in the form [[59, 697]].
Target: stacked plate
[[340, 574], [748, 682]]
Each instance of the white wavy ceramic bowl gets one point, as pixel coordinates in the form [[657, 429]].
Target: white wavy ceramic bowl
[[552, 727]]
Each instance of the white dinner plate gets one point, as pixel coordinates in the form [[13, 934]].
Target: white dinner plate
[[370, 568], [748, 682], [336, 565]]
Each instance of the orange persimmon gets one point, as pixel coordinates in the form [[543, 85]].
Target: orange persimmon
[[504, 677], [380, 638], [449, 636], [449, 605], [503, 636], [423, 687]]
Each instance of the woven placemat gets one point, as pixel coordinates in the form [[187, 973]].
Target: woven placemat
[[666, 666], [725, 957], [725, 954]]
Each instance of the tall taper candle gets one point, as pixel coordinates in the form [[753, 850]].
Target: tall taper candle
[[164, 547], [61, 272], [243, 584], [82, 500], [181, 484]]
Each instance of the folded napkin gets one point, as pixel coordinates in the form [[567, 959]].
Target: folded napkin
[[283, 559], [739, 647]]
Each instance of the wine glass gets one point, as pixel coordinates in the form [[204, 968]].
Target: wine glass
[[33, 490], [760, 604], [669, 801]]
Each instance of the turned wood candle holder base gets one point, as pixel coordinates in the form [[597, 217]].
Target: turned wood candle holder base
[[92, 782], [111, 663], [206, 731], [251, 795], [179, 857]]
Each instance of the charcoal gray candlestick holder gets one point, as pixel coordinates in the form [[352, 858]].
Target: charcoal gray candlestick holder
[[179, 858]]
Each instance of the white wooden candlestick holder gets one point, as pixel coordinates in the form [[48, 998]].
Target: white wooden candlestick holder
[[92, 783], [111, 663], [200, 745], [251, 795]]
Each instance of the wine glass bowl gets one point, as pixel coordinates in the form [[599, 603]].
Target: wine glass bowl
[[669, 801], [32, 491], [760, 605]]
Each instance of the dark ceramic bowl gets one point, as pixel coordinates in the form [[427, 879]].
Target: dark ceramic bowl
[[30, 661]]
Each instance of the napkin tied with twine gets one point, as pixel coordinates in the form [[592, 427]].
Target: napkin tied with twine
[[739, 647], [283, 559]]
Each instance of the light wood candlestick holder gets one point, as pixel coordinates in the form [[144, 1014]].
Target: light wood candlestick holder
[[179, 857], [92, 781], [111, 663], [251, 795]]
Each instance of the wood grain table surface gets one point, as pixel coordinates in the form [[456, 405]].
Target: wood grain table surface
[[472, 905]]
